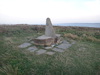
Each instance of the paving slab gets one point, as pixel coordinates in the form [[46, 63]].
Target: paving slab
[[64, 46], [58, 50], [24, 45], [65, 42], [48, 47], [50, 53], [41, 51], [32, 49]]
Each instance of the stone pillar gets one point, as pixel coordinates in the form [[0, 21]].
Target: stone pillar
[[50, 38], [49, 31]]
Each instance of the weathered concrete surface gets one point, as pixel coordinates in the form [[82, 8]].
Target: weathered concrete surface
[[50, 53], [32, 49], [41, 51], [24, 45], [57, 50], [43, 40]]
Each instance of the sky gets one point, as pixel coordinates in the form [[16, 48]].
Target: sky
[[59, 11]]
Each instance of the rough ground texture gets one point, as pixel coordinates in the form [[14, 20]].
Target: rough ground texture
[[81, 58]]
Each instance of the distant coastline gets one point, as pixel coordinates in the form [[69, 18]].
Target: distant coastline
[[96, 25], [93, 25]]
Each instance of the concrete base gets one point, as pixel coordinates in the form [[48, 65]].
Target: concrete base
[[47, 41]]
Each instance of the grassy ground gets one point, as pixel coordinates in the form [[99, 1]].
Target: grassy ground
[[83, 58]]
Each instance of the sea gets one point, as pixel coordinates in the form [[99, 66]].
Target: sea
[[96, 25]]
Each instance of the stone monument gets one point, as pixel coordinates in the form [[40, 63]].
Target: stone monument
[[49, 31], [50, 37]]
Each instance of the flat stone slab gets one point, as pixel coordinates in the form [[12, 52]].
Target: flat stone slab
[[65, 42], [32, 49], [50, 53], [57, 50], [41, 51], [64, 46], [24, 45], [48, 47]]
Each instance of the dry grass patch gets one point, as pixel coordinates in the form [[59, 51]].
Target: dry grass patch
[[90, 38], [72, 36], [9, 70]]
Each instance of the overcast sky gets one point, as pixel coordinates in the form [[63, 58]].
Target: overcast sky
[[60, 11]]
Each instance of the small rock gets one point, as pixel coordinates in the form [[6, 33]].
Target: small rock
[[24, 45], [52, 45]]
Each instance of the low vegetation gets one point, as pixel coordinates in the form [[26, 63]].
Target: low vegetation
[[82, 58]]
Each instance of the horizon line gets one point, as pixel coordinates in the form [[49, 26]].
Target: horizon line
[[43, 23]]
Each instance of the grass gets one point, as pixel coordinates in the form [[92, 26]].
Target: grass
[[83, 58]]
